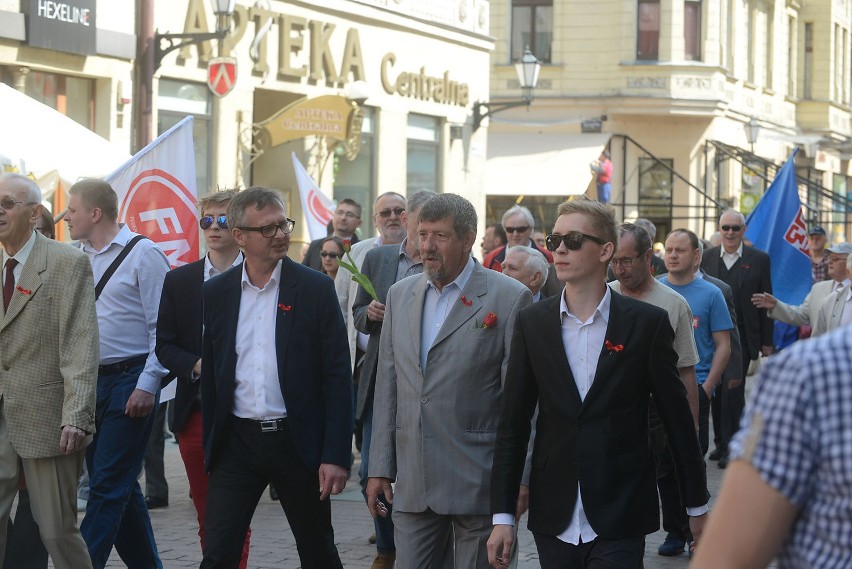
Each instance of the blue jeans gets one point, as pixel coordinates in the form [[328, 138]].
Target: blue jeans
[[604, 191], [384, 526], [116, 513]]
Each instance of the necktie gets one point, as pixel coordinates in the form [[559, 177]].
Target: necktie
[[9, 282]]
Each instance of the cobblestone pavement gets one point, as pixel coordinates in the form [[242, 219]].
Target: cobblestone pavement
[[272, 544]]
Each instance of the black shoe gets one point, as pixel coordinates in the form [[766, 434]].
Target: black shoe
[[672, 546], [723, 462], [273, 495], [716, 454], [155, 503]]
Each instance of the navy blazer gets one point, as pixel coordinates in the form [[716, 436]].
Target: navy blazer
[[313, 363], [179, 334]]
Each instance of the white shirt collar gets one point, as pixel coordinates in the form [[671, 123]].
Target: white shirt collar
[[602, 309], [461, 280], [23, 254], [122, 237], [738, 252], [273, 280], [210, 271]]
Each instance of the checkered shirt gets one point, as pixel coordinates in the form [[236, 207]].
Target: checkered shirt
[[819, 271], [803, 399]]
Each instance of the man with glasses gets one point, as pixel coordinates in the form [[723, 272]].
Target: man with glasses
[[519, 225], [129, 374], [747, 271], [592, 486], [836, 311], [285, 420], [344, 222], [179, 329]]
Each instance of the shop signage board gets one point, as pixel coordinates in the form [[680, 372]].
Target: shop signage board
[[63, 25]]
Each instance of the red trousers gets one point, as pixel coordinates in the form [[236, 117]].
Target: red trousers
[[192, 452]]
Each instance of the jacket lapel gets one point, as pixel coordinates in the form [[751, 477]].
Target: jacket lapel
[[285, 310], [462, 312], [229, 318], [415, 313], [554, 349], [618, 329], [29, 281]]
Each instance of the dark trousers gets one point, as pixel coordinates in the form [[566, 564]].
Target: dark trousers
[[248, 460], [383, 525], [597, 554], [727, 406], [24, 548], [156, 485], [675, 520]]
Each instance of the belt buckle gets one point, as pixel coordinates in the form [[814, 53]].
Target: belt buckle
[[269, 426]]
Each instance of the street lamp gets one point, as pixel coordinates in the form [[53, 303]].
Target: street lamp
[[752, 130], [527, 69], [224, 10]]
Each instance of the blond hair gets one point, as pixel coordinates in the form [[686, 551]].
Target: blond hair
[[600, 215]]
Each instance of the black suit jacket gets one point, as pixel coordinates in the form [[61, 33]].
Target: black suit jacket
[[313, 363], [179, 334], [750, 275], [603, 441]]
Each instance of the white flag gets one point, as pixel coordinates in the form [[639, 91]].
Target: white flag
[[157, 194], [318, 207]]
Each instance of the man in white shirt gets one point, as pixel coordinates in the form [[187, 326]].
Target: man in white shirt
[[129, 374]]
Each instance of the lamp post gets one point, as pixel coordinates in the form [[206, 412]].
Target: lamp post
[[527, 69], [752, 130], [224, 10]]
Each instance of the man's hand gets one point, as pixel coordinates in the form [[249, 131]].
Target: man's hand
[[140, 403], [376, 486], [375, 311], [767, 351], [709, 392], [696, 527], [764, 300], [71, 440], [499, 546], [196, 369], [523, 501], [332, 479]]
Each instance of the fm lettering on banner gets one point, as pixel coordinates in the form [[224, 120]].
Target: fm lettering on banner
[[797, 234]]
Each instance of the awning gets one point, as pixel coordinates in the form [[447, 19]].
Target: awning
[[533, 163]]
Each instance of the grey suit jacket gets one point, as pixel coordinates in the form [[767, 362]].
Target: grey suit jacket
[[434, 433], [805, 313], [49, 349], [830, 312], [380, 266]]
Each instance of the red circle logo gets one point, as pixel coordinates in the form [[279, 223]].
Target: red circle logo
[[317, 209]]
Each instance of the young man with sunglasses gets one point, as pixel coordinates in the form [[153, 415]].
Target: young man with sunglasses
[[519, 225], [276, 387], [592, 495], [179, 329]]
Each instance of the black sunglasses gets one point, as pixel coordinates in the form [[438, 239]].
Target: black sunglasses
[[207, 221], [731, 227], [573, 240], [523, 229], [397, 211], [326, 254]]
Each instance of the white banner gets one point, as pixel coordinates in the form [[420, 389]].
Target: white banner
[[318, 207], [157, 194]]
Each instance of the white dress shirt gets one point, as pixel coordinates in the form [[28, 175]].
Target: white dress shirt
[[21, 256], [210, 271], [129, 304], [730, 258], [437, 306], [846, 315], [257, 393]]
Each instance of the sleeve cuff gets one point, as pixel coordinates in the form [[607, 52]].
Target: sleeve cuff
[[503, 520], [699, 511], [148, 383]]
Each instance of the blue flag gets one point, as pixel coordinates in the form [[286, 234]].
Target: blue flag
[[777, 226]]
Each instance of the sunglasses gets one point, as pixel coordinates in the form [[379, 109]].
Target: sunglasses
[[397, 211], [207, 222], [271, 230], [731, 227], [326, 255], [573, 240], [523, 229], [9, 204]]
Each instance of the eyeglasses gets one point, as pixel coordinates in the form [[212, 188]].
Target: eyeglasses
[[523, 229], [573, 240], [397, 211], [326, 255], [627, 262], [9, 204], [348, 214], [271, 230], [207, 221], [731, 227]]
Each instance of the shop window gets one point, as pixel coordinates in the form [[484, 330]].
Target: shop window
[[648, 30], [177, 99], [423, 168], [808, 70], [655, 187], [532, 26], [354, 179], [692, 30], [74, 97]]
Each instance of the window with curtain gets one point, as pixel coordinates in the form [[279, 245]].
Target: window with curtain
[[532, 26], [692, 30], [648, 30]]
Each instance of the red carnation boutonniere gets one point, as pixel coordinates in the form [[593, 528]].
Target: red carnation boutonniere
[[23, 290], [490, 320], [613, 347], [746, 266], [465, 301], [285, 307]]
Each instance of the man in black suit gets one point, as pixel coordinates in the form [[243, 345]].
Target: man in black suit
[[285, 420], [747, 272], [590, 358], [179, 340]]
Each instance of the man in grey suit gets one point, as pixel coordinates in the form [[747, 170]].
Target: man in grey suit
[[442, 361], [383, 266], [836, 311]]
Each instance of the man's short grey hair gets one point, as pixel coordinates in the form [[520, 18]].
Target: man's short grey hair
[[649, 226], [453, 206], [534, 260], [522, 210], [256, 196], [732, 210], [417, 199], [388, 194], [33, 191], [640, 236]]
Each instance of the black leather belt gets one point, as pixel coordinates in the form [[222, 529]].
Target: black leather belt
[[122, 366], [264, 425]]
